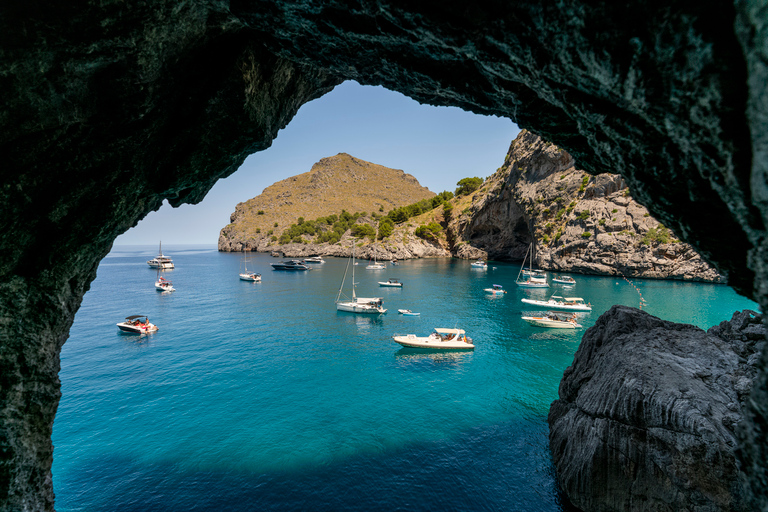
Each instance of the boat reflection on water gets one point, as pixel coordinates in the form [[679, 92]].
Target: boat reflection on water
[[425, 360]]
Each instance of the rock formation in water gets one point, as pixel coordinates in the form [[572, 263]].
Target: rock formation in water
[[580, 223], [111, 108], [336, 183], [648, 414]]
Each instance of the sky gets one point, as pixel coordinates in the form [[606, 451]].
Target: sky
[[437, 145]]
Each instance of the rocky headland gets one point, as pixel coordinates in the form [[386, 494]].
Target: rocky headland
[[648, 413], [578, 222]]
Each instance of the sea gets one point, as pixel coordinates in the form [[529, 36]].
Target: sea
[[261, 396]]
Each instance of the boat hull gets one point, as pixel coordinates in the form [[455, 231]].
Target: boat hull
[[560, 281], [161, 288], [429, 342], [532, 285], [133, 329], [555, 305], [365, 309], [391, 285], [552, 324], [250, 277]]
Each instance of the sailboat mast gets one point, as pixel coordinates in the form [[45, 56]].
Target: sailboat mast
[[341, 287], [354, 297]]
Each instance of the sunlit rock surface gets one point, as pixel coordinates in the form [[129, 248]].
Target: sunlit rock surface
[[648, 412], [110, 108]]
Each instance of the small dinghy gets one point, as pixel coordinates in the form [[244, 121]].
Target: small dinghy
[[407, 312]]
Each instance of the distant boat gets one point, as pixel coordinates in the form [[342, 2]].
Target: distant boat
[[452, 339], [161, 261], [137, 324], [313, 259], [530, 278], [560, 303], [289, 265], [496, 290], [553, 321], [564, 280], [392, 282], [375, 265], [163, 285], [249, 276], [407, 312], [478, 264], [371, 306]]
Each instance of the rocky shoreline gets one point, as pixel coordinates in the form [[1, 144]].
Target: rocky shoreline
[[580, 224], [648, 413]]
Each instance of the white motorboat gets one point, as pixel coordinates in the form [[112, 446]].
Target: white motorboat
[[407, 312], [564, 280], [313, 259], [496, 290], [362, 305], [137, 324], [453, 339], [530, 278], [163, 285], [391, 282], [249, 276], [161, 261], [478, 264], [561, 303], [554, 321]]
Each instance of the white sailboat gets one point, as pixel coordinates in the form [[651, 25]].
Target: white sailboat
[[249, 276], [371, 306], [375, 265], [531, 278]]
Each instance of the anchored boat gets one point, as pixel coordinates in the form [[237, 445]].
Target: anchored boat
[[453, 339]]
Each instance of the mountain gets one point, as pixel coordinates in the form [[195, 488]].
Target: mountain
[[579, 222], [336, 183]]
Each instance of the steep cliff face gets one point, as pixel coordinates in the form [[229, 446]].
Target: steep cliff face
[[580, 223], [648, 414]]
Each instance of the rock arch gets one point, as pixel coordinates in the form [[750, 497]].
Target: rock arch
[[110, 108]]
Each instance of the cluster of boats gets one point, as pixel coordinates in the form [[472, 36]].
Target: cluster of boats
[[563, 314]]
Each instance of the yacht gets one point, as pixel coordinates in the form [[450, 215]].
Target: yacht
[[289, 265], [478, 264], [161, 261], [370, 306], [561, 303], [313, 259], [375, 265], [553, 321], [453, 339], [137, 324], [249, 276]]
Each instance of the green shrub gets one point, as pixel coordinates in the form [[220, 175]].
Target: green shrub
[[258, 230], [562, 176], [586, 234], [545, 212], [386, 226], [362, 230], [584, 182], [468, 185], [602, 222], [647, 215], [546, 239], [658, 235], [614, 210], [260, 212], [275, 225], [584, 215], [559, 214]]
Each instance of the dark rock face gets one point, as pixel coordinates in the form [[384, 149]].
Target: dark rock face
[[111, 108], [648, 413]]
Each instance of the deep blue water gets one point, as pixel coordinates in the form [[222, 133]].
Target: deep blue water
[[261, 396]]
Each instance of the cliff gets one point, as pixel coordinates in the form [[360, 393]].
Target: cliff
[[336, 183], [647, 413], [580, 223]]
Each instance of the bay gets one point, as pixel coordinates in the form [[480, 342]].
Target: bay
[[261, 396]]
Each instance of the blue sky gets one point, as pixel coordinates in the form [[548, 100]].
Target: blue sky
[[437, 145]]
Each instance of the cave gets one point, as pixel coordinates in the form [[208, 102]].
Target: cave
[[111, 108]]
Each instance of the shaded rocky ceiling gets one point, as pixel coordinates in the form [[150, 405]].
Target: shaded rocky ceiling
[[111, 107]]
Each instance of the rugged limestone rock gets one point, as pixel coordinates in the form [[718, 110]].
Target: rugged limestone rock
[[580, 223], [109, 108], [648, 413]]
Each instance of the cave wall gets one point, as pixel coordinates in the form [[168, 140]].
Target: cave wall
[[109, 108]]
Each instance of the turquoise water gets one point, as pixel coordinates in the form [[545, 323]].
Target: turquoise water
[[261, 396]]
